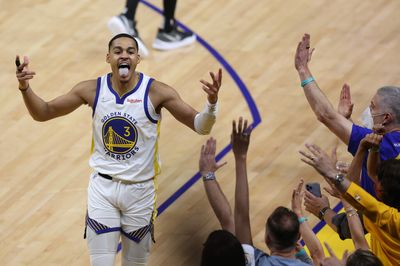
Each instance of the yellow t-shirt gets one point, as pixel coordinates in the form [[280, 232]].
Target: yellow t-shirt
[[381, 221]]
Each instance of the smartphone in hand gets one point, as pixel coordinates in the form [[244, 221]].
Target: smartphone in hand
[[314, 188]]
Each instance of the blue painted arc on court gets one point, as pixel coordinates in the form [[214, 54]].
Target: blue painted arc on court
[[255, 114]]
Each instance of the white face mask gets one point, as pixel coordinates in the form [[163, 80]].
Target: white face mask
[[366, 118]]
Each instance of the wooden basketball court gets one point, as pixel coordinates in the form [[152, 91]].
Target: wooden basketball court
[[44, 166]]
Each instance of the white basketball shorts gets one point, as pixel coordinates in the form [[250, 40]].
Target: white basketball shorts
[[114, 205]]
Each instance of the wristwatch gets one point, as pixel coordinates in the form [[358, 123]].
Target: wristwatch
[[209, 176], [339, 178], [322, 212]]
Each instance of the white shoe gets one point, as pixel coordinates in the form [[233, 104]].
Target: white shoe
[[120, 24]]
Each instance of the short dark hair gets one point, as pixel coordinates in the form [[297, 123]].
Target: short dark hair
[[121, 35], [222, 248], [362, 257], [283, 228], [389, 177]]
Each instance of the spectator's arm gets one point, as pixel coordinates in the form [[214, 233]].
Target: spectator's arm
[[373, 163], [319, 103], [320, 208], [310, 239], [216, 197], [240, 140], [379, 213], [376, 211], [354, 172], [220, 205], [355, 226], [371, 142]]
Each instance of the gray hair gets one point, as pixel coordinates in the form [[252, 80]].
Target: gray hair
[[390, 101]]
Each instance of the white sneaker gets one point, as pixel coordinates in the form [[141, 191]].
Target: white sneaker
[[173, 39], [120, 24]]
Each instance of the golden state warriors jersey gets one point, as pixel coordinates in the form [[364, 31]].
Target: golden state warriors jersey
[[125, 132]]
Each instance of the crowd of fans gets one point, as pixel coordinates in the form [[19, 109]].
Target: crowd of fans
[[369, 188]]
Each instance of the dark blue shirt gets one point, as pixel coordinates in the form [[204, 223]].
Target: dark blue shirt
[[389, 149]]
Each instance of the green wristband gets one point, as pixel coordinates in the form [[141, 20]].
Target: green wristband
[[302, 219], [307, 81], [302, 252]]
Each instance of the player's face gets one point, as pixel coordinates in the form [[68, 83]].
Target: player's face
[[123, 58]]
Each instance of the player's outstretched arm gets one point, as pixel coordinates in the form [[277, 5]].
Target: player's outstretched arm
[[163, 95], [41, 110], [318, 101]]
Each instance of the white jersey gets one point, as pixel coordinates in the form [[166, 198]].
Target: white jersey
[[125, 132]]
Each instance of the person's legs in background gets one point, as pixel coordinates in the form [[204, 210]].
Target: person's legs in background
[[126, 23], [170, 37]]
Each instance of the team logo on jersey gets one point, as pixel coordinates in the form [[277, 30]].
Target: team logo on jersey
[[119, 135]]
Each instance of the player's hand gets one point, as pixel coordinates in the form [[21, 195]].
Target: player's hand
[[23, 73], [212, 88]]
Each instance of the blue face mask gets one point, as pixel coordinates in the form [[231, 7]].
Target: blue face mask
[[366, 118]]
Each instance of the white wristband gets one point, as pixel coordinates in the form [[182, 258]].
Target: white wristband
[[211, 108], [204, 121]]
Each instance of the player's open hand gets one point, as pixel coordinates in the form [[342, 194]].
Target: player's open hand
[[212, 89]]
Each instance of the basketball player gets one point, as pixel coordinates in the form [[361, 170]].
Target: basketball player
[[126, 118]]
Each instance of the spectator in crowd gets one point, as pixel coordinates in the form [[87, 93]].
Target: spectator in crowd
[[384, 107], [222, 248], [380, 218], [283, 225]]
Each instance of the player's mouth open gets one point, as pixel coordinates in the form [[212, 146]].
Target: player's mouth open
[[123, 69]]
